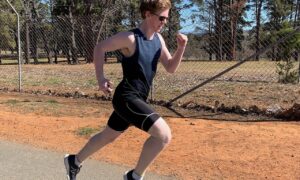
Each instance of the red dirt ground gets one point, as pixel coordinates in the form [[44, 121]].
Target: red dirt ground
[[200, 149]]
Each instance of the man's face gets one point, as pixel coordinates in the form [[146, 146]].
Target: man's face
[[159, 19]]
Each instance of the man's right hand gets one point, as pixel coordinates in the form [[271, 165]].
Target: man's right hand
[[105, 85]]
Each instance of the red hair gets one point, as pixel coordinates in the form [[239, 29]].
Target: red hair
[[153, 6]]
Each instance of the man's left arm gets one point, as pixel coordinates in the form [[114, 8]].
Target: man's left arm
[[171, 63]]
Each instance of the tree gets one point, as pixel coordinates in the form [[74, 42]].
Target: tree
[[278, 12], [173, 24], [39, 10], [9, 26], [236, 8], [67, 8], [86, 22], [27, 22], [224, 21], [6, 36], [258, 8]]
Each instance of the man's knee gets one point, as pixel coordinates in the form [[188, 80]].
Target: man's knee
[[162, 131], [167, 137]]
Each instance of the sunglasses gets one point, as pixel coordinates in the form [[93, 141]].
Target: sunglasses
[[161, 18]]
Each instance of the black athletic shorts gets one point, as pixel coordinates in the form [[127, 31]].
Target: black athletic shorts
[[132, 111]]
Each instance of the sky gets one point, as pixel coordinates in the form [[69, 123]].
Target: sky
[[189, 26]]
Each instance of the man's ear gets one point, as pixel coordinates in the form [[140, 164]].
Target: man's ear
[[147, 14]]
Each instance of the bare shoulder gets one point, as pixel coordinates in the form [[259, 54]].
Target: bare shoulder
[[127, 43], [121, 40], [126, 36], [161, 38]]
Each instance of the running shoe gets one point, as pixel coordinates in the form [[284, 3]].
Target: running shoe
[[71, 167], [128, 175]]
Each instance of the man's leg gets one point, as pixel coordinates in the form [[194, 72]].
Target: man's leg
[[160, 137], [97, 142], [73, 162]]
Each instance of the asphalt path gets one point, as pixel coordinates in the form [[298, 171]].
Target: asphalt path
[[19, 161]]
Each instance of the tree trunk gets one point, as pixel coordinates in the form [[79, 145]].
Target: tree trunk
[[74, 47], [218, 6], [27, 42], [33, 34], [48, 52], [34, 43], [102, 23], [28, 20], [53, 33], [273, 54], [232, 53], [54, 36], [210, 47], [298, 13], [56, 53], [73, 39], [89, 45], [258, 18], [38, 19], [299, 71]]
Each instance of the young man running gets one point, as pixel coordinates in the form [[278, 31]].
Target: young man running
[[141, 49]]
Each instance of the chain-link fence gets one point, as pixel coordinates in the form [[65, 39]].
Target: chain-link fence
[[221, 34]]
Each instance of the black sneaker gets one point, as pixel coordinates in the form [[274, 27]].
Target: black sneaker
[[71, 167], [128, 175]]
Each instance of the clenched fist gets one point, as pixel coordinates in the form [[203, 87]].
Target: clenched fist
[[181, 40], [105, 85]]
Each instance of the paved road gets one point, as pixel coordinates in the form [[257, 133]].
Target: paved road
[[18, 161]]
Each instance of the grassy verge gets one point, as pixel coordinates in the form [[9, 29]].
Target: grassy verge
[[253, 83]]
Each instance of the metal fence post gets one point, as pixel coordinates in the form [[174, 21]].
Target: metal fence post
[[19, 47]]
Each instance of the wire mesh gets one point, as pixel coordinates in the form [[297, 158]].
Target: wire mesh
[[221, 34]]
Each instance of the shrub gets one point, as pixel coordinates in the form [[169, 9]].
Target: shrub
[[286, 72]]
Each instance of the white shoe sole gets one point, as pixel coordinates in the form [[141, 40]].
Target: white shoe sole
[[67, 165]]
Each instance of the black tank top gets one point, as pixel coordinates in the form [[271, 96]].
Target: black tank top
[[140, 69]]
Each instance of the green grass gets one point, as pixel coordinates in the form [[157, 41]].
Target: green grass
[[31, 60], [8, 61], [52, 101], [86, 131], [70, 78], [91, 83], [214, 67], [47, 107], [12, 101], [54, 81]]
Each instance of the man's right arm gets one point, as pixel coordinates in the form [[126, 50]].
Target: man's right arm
[[116, 42]]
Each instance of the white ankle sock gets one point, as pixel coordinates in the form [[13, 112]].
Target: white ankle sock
[[77, 162], [136, 176]]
